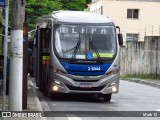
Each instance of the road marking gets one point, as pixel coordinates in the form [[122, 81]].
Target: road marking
[[74, 118], [53, 104]]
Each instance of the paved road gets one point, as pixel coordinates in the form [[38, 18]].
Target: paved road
[[131, 97]]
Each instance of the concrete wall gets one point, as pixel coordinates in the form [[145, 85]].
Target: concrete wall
[[139, 58]]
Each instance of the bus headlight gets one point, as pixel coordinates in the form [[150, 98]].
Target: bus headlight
[[112, 72], [114, 89], [58, 71], [112, 83], [55, 70], [55, 88], [57, 82]]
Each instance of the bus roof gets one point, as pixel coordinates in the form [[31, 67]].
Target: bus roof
[[80, 17]]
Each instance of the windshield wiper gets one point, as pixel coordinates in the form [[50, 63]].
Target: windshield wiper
[[69, 50], [95, 49], [76, 48]]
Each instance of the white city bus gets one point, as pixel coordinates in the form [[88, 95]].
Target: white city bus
[[77, 52]]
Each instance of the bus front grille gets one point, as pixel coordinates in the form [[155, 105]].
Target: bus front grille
[[85, 80], [85, 89]]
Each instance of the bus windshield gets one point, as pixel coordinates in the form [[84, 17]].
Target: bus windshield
[[85, 42]]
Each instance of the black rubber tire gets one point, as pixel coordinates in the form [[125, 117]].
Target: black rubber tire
[[107, 97], [49, 93]]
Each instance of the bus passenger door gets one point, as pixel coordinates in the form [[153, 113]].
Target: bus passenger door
[[43, 58]]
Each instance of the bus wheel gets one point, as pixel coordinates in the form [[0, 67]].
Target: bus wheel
[[107, 97], [49, 93]]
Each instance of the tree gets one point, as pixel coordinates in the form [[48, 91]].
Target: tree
[[36, 8], [73, 4]]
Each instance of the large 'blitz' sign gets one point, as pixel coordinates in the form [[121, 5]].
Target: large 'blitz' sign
[[2, 3]]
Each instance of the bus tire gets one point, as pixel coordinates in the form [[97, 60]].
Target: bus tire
[[40, 87], [49, 93], [52, 95], [107, 97]]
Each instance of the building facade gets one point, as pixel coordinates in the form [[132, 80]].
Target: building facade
[[136, 18]]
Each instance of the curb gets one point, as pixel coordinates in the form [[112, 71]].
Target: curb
[[38, 103], [37, 100], [142, 81]]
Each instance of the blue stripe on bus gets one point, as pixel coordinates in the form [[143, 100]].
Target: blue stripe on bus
[[90, 70]]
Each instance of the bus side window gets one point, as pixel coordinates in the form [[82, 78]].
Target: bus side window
[[45, 40]]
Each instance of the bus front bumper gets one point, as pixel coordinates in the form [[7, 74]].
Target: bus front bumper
[[110, 85]]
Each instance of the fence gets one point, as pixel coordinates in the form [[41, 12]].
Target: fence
[[139, 58]]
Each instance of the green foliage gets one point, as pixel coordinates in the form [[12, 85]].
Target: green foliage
[[1, 19], [73, 4], [36, 8], [40, 7]]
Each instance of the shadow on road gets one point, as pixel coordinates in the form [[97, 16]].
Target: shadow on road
[[70, 97]]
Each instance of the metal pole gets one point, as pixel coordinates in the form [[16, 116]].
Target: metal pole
[[5, 51], [16, 58]]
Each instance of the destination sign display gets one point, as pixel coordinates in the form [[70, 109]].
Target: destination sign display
[[84, 30]]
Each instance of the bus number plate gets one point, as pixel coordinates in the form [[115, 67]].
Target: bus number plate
[[85, 85]]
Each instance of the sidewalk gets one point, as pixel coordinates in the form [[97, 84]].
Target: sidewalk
[[33, 103], [150, 82]]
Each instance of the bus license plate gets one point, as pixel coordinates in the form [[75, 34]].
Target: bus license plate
[[85, 85]]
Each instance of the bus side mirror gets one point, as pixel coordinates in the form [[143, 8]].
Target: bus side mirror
[[120, 39], [120, 36]]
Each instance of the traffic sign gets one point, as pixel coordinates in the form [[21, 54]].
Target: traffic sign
[[2, 3]]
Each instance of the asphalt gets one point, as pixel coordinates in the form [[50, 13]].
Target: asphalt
[[34, 104]]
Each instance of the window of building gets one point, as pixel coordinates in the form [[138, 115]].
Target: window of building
[[133, 13], [132, 37]]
